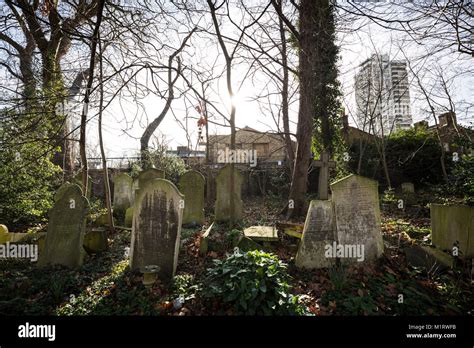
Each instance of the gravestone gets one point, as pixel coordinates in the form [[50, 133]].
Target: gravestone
[[95, 241], [318, 233], [134, 191], [324, 163], [143, 177], [357, 215], [66, 228], [453, 225], [191, 184], [223, 199], [78, 181], [122, 192], [408, 187], [149, 174], [157, 218], [129, 217], [262, 233]]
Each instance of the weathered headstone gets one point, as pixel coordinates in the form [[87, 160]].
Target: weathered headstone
[[223, 200], [191, 184], [318, 233], [143, 177], [453, 226], [122, 192], [150, 174], [95, 241], [157, 218], [324, 163], [408, 187], [66, 228], [357, 216]]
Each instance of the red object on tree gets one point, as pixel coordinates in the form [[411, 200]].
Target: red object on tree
[[202, 122]]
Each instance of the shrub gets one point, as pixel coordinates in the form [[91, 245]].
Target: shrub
[[412, 156], [26, 184], [462, 179], [254, 283]]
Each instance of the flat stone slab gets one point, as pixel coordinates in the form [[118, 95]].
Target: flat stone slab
[[428, 257], [291, 229], [262, 233]]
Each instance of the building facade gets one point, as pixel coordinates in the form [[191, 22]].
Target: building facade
[[269, 147], [382, 96]]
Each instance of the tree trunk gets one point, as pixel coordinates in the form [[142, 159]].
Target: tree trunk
[[307, 110], [82, 141], [108, 200], [284, 96]]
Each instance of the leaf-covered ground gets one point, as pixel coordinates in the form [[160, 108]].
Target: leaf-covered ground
[[106, 286]]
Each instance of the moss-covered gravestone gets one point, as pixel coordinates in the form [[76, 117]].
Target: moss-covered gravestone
[[66, 228], [452, 226], [223, 200], [191, 184], [122, 192], [157, 218], [129, 217], [150, 174], [95, 241], [143, 177]]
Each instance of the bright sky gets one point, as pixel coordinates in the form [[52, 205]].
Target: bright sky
[[122, 128]]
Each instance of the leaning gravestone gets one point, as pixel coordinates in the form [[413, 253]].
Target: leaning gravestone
[[357, 216], [453, 225], [157, 218], [191, 184], [223, 206], [66, 228], [122, 192], [318, 233]]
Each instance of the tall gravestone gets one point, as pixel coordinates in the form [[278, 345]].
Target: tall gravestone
[[66, 228], [318, 233], [156, 227], [191, 184], [453, 226], [223, 197], [122, 192], [357, 214]]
